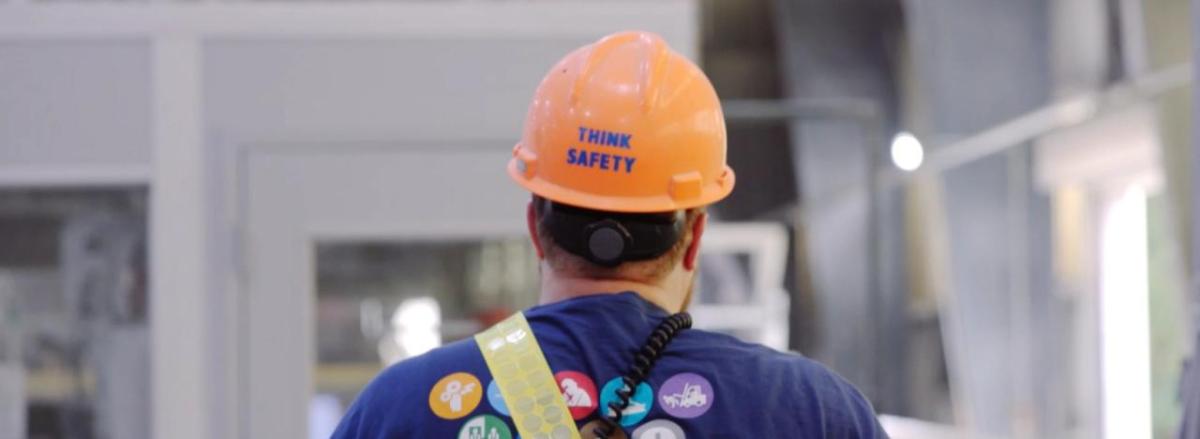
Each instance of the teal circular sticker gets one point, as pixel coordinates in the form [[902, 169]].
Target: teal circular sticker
[[496, 399], [485, 427], [639, 405]]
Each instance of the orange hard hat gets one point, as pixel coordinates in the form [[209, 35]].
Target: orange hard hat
[[624, 124]]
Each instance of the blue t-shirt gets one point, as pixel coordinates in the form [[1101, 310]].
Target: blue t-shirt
[[705, 385]]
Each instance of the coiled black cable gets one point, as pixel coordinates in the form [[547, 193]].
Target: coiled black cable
[[642, 363]]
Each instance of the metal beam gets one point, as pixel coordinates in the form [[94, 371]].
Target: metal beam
[[788, 110], [1064, 113]]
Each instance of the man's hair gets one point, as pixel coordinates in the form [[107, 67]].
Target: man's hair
[[648, 270]]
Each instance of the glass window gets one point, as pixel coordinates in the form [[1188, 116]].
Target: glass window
[[74, 339], [379, 303]]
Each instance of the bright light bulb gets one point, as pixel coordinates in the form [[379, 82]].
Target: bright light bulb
[[419, 312], [907, 152], [416, 329]]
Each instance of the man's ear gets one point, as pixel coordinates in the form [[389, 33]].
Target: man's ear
[[693, 249], [531, 221]]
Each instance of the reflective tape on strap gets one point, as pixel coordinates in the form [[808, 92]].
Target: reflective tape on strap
[[525, 380]]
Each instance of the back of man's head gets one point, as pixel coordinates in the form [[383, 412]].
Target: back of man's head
[[577, 260]]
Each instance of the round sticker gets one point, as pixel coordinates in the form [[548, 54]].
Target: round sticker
[[580, 393], [588, 431], [455, 395], [496, 399], [639, 405], [485, 427], [659, 429], [686, 395]]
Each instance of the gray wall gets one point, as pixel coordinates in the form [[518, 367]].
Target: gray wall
[[74, 102]]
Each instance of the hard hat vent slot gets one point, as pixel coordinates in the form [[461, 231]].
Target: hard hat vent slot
[[686, 186], [525, 162]]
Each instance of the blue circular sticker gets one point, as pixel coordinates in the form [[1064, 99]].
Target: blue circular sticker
[[639, 405], [496, 399]]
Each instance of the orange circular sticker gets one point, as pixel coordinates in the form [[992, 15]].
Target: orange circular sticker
[[455, 395]]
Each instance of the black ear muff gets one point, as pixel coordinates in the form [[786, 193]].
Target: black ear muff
[[606, 242], [608, 239]]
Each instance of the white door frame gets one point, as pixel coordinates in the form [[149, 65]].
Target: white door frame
[[295, 198]]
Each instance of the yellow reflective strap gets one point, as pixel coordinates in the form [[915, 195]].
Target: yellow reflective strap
[[525, 380]]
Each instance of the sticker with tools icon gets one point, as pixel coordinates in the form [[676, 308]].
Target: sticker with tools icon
[[455, 396]]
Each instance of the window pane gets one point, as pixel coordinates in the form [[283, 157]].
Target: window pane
[[74, 338], [378, 303]]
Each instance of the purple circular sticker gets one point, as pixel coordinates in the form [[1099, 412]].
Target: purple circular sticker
[[686, 395]]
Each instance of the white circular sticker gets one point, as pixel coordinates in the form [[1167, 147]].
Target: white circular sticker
[[659, 429]]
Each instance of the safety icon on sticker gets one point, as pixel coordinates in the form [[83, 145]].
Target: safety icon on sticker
[[485, 427], [686, 395], [639, 404], [516, 336], [456, 395], [659, 429], [579, 391]]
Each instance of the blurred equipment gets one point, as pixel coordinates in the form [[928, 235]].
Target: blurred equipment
[[650, 118], [1190, 394], [74, 338], [12, 371], [105, 290], [740, 285]]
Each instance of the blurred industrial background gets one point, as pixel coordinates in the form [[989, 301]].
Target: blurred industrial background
[[220, 219]]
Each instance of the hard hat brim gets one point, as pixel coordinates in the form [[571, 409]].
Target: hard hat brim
[[709, 194]]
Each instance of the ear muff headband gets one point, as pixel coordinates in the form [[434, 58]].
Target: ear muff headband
[[608, 238]]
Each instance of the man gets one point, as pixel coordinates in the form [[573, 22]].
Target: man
[[623, 147]]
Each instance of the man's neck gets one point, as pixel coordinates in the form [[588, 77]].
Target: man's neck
[[557, 288]]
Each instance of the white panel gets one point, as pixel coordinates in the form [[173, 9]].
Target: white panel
[[74, 103], [1120, 144], [375, 89], [393, 186]]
